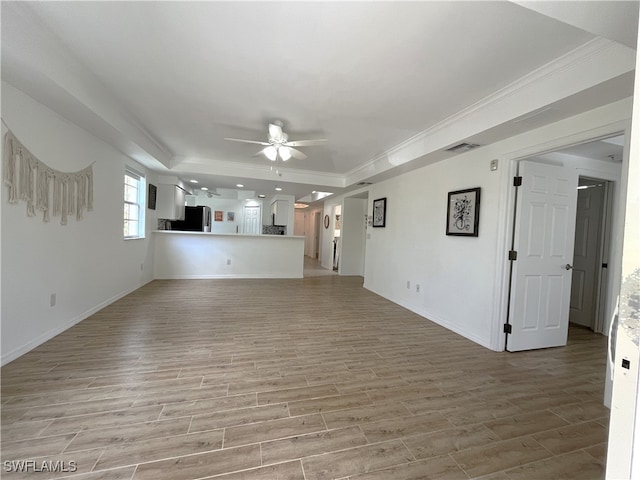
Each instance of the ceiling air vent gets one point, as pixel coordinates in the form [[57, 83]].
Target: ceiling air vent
[[462, 147], [364, 183]]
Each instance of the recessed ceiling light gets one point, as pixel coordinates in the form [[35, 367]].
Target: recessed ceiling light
[[278, 189], [193, 181], [204, 188], [261, 196], [239, 185], [300, 205]]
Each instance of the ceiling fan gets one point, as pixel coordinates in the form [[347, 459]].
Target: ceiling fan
[[278, 144]]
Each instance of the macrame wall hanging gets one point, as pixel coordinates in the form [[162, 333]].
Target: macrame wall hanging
[[29, 179]]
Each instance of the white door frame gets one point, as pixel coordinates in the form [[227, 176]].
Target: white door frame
[[507, 207]]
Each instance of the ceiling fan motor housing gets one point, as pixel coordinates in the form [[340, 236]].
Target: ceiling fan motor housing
[[276, 135]]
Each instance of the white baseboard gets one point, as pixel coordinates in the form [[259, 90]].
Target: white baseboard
[[18, 352], [485, 342], [239, 275]]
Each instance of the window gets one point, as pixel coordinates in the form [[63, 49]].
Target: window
[[134, 188]]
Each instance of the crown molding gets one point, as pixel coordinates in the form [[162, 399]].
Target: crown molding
[[423, 143]]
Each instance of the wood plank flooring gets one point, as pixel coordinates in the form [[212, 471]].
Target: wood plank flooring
[[305, 379]]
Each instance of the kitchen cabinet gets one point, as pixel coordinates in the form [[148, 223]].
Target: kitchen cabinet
[[171, 201], [280, 212]]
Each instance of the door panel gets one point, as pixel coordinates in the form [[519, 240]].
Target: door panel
[[544, 231], [251, 220], [586, 256]]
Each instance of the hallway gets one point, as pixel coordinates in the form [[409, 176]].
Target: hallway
[[312, 268]]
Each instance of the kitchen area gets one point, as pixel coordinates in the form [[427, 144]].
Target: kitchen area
[[226, 233]]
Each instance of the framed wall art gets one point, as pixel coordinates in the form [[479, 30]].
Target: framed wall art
[[231, 216], [217, 215], [379, 212], [463, 212], [151, 197]]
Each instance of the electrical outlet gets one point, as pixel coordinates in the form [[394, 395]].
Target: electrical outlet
[[228, 261], [408, 284], [52, 300], [417, 288]]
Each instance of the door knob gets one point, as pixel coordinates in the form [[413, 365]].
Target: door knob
[[568, 267]]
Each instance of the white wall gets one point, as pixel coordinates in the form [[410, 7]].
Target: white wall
[[203, 255], [352, 234], [86, 263], [455, 274], [463, 280]]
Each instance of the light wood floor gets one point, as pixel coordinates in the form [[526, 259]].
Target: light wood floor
[[297, 379]]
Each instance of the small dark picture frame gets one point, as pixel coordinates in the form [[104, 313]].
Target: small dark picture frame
[[463, 212], [153, 194], [379, 212]]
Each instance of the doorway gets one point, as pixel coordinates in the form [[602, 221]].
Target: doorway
[[591, 251], [541, 258]]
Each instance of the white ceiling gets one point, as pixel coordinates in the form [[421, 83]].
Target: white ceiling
[[165, 82]]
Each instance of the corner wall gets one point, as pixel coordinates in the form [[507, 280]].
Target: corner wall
[[86, 263]]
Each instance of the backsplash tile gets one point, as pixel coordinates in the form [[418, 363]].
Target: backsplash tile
[[274, 230]]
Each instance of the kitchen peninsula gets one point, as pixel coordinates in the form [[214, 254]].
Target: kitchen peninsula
[[186, 255]]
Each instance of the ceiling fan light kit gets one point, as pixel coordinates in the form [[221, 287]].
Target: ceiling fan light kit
[[271, 153], [285, 153], [278, 144]]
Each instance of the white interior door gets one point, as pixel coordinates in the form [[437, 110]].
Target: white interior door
[[586, 254], [251, 225], [298, 223], [543, 240]]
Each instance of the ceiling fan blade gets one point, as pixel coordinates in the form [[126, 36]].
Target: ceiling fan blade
[[307, 143], [247, 141], [297, 153]]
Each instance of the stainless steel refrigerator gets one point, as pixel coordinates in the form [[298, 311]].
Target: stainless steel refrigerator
[[196, 219]]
